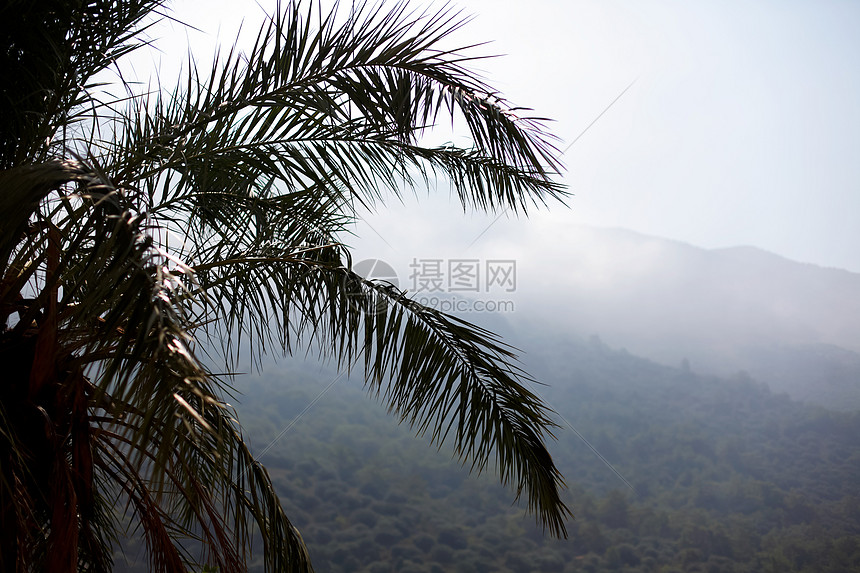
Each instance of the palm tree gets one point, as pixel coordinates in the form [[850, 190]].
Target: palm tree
[[133, 226]]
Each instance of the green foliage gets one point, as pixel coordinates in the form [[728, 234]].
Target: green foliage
[[729, 477]]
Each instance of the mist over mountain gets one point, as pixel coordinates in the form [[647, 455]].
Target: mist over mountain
[[792, 325]]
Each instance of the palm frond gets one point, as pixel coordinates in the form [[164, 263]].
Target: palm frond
[[49, 53], [340, 104], [164, 437], [445, 377], [220, 208], [337, 108]]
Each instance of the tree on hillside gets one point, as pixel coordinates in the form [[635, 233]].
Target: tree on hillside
[[133, 226]]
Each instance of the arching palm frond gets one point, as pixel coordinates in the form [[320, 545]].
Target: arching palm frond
[[341, 105], [444, 376], [217, 210]]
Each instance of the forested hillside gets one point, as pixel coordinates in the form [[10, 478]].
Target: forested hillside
[[727, 476]]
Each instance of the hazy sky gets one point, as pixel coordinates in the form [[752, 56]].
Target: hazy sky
[[742, 127]]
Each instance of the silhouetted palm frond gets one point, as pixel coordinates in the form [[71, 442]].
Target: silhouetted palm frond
[[215, 210]]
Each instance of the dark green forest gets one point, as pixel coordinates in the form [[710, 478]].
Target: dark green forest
[[728, 477]]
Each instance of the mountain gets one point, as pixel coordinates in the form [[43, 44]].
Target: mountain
[[694, 473], [792, 325]]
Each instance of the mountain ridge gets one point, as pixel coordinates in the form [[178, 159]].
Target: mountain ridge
[[722, 310]]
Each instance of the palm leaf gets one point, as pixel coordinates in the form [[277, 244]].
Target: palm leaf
[[122, 313], [337, 110], [219, 209]]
